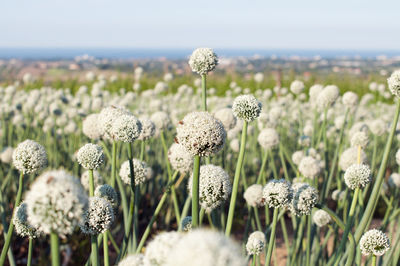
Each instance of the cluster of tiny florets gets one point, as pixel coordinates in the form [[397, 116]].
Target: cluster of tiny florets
[[203, 60], [215, 186], [98, 217], [107, 192], [90, 127], [304, 199], [181, 160], [126, 128], [148, 129], [309, 167], [255, 243], [21, 224], [374, 242], [246, 107], [254, 195], [134, 260], [357, 176], [161, 246], [106, 119], [186, 224], [350, 156], [394, 83], [278, 193], [321, 218], [90, 156], [201, 134], [394, 180], [297, 87], [29, 157], [225, 115], [97, 179], [268, 138], [359, 139], [139, 172]]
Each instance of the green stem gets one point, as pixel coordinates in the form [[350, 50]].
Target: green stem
[[29, 261], [272, 238], [113, 163], [55, 249], [95, 250], [105, 249], [204, 91], [11, 227], [373, 260], [236, 180], [253, 262], [91, 183], [195, 191]]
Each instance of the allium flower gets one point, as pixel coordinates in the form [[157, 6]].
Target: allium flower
[[338, 195], [378, 127], [201, 134], [309, 167], [350, 99], [126, 128], [349, 157], [90, 127], [297, 156], [359, 139], [29, 157], [321, 218], [161, 120], [203, 247], [6, 155], [235, 145], [398, 157], [158, 250], [97, 178], [203, 60], [255, 243], [107, 192], [297, 87], [187, 224], [268, 138], [98, 217], [56, 203], [225, 115], [21, 224], [374, 242], [90, 156], [304, 199], [246, 107], [327, 96], [254, 195], [139, 172], [277, 193], [215, 186], [148, 129], [394, 83], [134, 260], [357, 176], [107, 117], [180, 159], [394, 180]]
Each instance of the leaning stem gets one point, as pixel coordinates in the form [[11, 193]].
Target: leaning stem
[[195, 191], [236, 180], [272, 238], [55, 247], [29, 261]]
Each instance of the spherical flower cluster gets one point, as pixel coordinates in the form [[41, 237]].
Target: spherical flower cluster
[[304, 141], [259, 77], [134, 260], [97, 178], [349, 157], [268, 138], [205, 247], [321, 218], [297, 156], [148, 129], [398, 157], [203, 60], [225, 115], [181, 160], [201, 134], [378, 127], [357, 176], [215, 186], [56, 203], [29, 157], [309, 167], [394, 83], [90, 127], [338, 195], [90, 156], [278, 193], [139, 172], [394, 180], [6, 155], [106, 119], [359, 139], [254, 195], [187, 224], [107, 192], [161, 120], [246, 107], [21, 224], [350, 99], [374, 242], [297, 87], [327, 96], [126, 128], [161, 246], [255, 243], [98, 217], [304, 199]]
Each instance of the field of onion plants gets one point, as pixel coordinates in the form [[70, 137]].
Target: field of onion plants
[[282, 176]]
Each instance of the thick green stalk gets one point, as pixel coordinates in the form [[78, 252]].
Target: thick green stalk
[[93, 238], [113, 163], [272, 238], [30, 247], [91, 183], [204, 91], [236, 180], [373, 199], [55, 249], [195, 191], [11, 226], [261, 173], [105, 249], [309, 240], [373, 260]]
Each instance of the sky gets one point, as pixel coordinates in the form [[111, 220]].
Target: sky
[[234, 24]]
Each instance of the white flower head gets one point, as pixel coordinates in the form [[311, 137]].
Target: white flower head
[[148, 129], [158, 250], [268, 138], [90, 127], [181, 160], [350, 99], [225, 115], [98, 217], [357, 176], [90, 156], [321, 218], [126, 128], [359, 139], [203, 60], [29, 157], [374, 242], [106, 119], [134, 260], [394, 180], [21, 224], [107, 192], [349, 157], [246, 107], [97, 178], [187, 224], [255, 243], [297, 87], [139, 172], [254, 195], [309, 167], [304, 199], [278, 193], [394, 83]]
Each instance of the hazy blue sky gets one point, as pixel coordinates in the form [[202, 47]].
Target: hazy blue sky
[[301, 24]]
